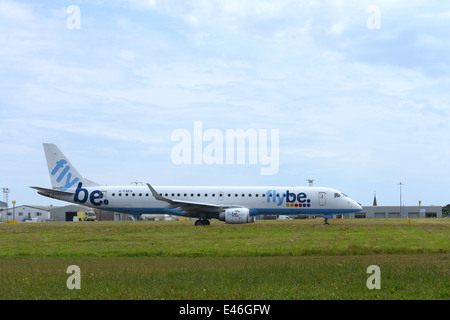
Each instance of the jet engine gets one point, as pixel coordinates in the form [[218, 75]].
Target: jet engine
[[236, 216]]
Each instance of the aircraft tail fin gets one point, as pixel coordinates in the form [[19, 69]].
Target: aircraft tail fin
[[63, 174]]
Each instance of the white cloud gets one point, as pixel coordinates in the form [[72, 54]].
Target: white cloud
[[19, 13]]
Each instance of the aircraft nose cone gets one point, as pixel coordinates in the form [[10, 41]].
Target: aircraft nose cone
[[354, 205], [357, 206]]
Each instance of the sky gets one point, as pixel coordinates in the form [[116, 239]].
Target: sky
[[353, 94]]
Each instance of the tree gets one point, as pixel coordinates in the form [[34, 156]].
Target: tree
[[446, 211]]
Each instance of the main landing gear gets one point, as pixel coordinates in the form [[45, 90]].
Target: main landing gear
[[326, 222], [202, 222]]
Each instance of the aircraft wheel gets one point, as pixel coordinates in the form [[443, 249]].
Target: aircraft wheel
[[202, 222]]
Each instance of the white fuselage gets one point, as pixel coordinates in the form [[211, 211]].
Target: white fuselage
[[229, 204], [260, 200]]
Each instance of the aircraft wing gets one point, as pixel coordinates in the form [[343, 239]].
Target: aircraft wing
[[189, 207], [52, 193]]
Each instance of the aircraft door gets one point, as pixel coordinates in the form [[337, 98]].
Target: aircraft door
[[322, 198]]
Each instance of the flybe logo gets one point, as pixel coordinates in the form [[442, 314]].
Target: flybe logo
[[65, 173], [291, 199], [82, 195]]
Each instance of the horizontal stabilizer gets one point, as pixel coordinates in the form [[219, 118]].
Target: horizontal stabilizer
[[52, 193]]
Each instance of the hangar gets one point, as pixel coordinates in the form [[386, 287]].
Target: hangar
[[398, 212], [67, 213]]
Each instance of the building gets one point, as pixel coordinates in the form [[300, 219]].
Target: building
[[26, 213], [397, 212], [32, 213], [67, 213]]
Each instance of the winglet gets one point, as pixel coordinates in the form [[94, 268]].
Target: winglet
[[156, 194]]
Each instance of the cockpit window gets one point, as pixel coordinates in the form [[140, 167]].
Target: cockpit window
[[339, 194]]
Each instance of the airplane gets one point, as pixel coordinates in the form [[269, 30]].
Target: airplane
[[231, 204]]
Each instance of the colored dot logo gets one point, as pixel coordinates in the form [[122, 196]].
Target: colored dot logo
[[298, 205]]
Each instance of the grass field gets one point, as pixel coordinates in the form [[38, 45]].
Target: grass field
[[287, 259]]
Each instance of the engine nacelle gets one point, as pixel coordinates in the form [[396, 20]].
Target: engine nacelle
[[236, 216]]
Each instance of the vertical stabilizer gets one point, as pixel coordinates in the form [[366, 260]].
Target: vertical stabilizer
[[63, 174]]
